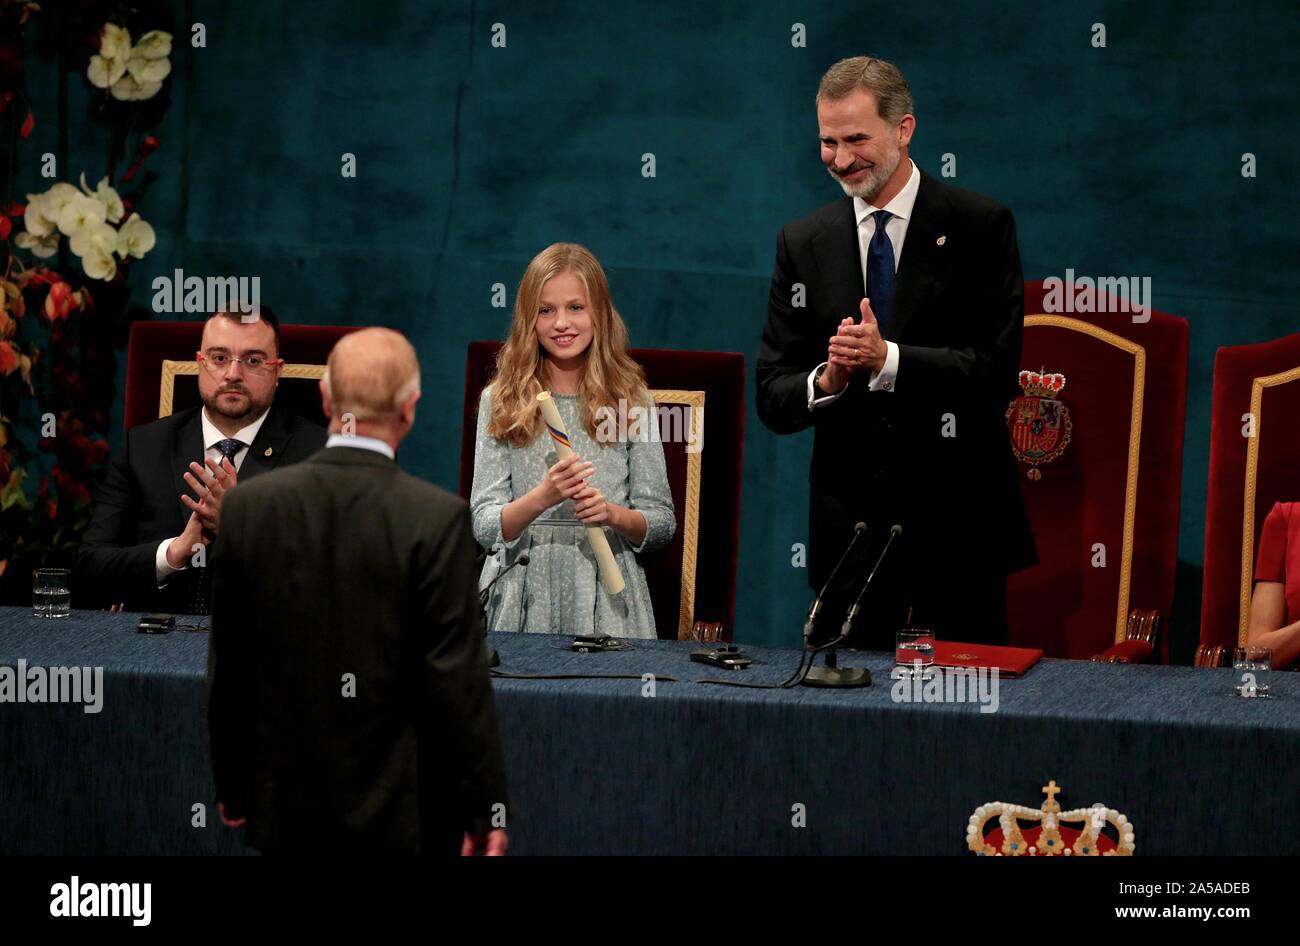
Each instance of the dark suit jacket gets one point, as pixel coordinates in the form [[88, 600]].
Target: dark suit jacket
[[139, 505], [344, 568], [882, 457]]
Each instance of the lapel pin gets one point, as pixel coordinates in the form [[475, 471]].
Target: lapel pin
[[941, 241], [268, 452]]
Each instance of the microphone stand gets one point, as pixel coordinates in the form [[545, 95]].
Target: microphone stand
[[814, 676], [493, 658], [831, 674]]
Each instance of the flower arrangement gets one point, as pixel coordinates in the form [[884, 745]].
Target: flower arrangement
[[87, 218], [131, 73], [64, 261]]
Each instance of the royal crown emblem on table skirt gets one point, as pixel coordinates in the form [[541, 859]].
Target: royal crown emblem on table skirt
[[1039, 421], [1083, 832]]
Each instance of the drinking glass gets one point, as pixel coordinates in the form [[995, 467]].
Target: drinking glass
[[51, 593], [914, 653], [1253, 666]]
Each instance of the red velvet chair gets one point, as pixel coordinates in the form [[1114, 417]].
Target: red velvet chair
[[693, 579], [1114, 484], [162, 375], [1248, 474]]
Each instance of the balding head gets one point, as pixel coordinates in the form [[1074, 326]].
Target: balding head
[[374, 376]]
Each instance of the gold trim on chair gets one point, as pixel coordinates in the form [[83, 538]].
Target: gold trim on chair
[[173, 369], [1134, 447], [1248, 508], [694, 401]]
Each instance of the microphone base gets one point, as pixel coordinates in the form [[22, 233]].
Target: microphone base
[[838, 677], [832, 675]]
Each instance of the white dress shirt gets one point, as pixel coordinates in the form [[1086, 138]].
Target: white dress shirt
[[896, 230], [361, 443], [211, 437]]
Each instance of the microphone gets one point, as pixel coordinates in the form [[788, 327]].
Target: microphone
[[894, 533], [858, 531]]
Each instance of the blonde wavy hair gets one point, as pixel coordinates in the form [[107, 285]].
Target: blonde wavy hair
[[610, 373]]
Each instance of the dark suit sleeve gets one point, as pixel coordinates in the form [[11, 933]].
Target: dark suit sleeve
[[787, 352], [989, 368], [111, 568], [230, 666], [459, 690]]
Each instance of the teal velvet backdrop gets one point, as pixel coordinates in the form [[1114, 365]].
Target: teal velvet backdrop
[[1122, 160]]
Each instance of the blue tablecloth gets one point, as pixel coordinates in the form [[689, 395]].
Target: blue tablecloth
[[597, 766]]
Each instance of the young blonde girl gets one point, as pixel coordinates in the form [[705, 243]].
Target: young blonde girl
[[566, 338]]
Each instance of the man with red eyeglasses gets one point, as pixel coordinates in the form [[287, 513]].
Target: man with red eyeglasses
[[159, 507]]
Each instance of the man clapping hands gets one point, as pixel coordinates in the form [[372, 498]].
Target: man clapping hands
[[141, 547]]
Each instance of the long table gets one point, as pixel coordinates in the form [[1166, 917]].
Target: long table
[[650, 766]]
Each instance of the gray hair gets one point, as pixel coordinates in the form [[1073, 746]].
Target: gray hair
[[882, 79]]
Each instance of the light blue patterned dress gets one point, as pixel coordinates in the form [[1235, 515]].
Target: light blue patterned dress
[[559, 590]]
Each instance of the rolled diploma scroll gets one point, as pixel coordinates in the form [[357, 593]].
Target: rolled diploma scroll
[[610, 575]]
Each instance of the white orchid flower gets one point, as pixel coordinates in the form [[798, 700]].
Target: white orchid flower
[[99, 264], [55, 199], [79, 212], [94, 243], [156, 44], [104, 72], [148, 70], [38, 224], [130, 89], [40, 246], [106, 195], [136, 238], [116, 43], [95, 236]]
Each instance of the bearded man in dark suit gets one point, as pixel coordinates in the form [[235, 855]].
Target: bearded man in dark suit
[[159, 507], [894, 329]]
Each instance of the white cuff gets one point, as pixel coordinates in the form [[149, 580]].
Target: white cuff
[[814, 401], [883, 380], [163, 568]]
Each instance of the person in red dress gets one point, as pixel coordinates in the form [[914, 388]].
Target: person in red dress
[[1275, 606]]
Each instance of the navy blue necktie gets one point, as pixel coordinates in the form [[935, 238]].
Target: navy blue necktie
[[880, 275], [229, 447]]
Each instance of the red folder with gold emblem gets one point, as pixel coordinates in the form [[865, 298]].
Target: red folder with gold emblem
[[1010, 661]]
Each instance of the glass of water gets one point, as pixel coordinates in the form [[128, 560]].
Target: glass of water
[[51, 592], [914, 653], [1253, 665]]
